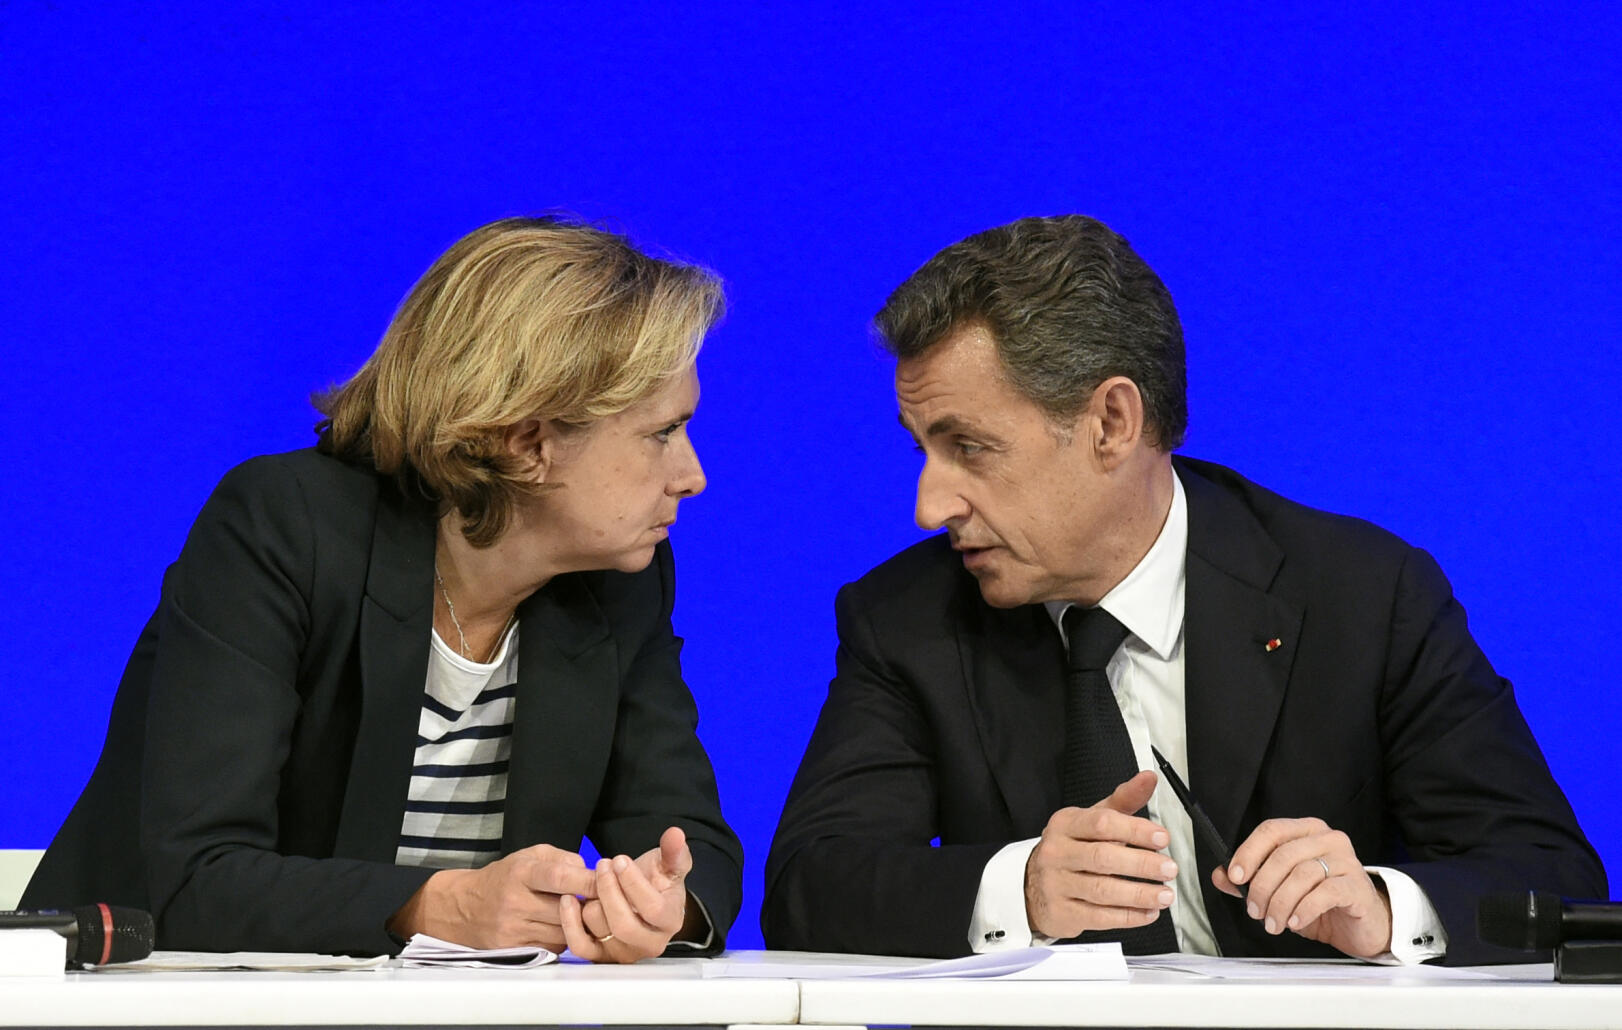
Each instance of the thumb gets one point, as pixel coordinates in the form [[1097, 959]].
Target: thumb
[[1131, 796], [675, 859]]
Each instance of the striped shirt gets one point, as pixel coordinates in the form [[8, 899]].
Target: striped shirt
[[453, 814]]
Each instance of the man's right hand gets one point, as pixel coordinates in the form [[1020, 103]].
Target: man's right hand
[[1075, 879], [509, 903]]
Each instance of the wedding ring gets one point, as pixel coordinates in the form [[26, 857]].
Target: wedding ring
[[1325, 865], [605, 938]]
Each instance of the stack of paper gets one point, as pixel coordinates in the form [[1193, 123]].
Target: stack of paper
[[423, 951]]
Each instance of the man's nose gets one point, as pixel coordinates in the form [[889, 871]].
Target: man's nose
[[939, 502]]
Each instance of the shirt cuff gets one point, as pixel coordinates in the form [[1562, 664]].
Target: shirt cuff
[[1416, 930], [999, 920], [709, 931]]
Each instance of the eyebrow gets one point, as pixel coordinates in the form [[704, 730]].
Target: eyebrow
[[944, 424]]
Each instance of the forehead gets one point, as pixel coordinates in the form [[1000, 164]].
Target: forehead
[[959, 379]]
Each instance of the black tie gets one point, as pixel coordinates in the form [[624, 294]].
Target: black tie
[[1097, 751]]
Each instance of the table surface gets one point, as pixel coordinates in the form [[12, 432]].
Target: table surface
[[674, 992]]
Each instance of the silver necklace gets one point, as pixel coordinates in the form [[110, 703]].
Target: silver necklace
[[452, 609]]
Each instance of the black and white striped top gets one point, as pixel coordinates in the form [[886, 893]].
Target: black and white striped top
[[453, 815]]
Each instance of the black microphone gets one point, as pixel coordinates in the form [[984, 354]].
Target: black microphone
[[1535, 920], [95, 934]]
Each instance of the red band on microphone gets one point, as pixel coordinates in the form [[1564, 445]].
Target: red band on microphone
[[106, 933]]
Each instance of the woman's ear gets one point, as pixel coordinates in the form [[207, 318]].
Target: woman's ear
[[534, 443]]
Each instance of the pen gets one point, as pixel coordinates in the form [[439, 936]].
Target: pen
[[1204, 828]]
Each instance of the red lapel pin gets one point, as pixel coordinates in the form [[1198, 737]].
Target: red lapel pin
[[1273, 645]]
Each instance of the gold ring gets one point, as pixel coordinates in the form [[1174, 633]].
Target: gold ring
[[1327, 873]]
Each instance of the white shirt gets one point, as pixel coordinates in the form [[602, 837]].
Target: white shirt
[[1146, 676]]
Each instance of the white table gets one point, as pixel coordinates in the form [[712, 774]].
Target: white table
[[669, 992], [672, 992], [1517, 997]]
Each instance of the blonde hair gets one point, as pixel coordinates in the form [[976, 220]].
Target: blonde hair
[[522, 318]]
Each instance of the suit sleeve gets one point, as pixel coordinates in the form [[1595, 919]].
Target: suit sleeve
[[1478, 810], [233, 623], [853, 867], [659, 775]]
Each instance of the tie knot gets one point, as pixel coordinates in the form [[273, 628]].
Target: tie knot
[[1093, 635]]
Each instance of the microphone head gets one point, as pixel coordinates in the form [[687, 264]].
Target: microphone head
[[108, 933], [1529, 921]]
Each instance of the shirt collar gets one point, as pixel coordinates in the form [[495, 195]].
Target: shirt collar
[[1149, 601]]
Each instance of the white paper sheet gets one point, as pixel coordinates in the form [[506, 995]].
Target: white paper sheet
[[269, 961], [1060, 962]]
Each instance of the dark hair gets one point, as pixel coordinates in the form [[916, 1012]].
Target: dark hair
[[1068, 304]]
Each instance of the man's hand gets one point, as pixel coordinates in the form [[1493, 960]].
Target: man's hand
[[512, 902], [639, 905], [1075, 879], [1306, 877]]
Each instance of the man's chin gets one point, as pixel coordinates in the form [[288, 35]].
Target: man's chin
[[998, 591]]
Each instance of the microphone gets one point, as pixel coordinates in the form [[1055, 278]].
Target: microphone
[[1536, 920], [95, 934]]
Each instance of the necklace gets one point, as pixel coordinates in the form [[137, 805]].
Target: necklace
[[461, 636], [446, 594]]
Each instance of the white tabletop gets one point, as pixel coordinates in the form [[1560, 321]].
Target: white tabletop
[[1361, 996], [674, 992], [668, 991]]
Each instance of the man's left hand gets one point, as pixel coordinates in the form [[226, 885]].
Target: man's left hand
[[1306, 878]]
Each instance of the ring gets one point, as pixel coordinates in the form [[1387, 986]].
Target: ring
[[1327, 873], [605, 938]]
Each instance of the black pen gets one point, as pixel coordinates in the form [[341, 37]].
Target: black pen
[[1204, 828]]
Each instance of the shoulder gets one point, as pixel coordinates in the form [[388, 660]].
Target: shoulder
[[1231, 516], [923, 589]]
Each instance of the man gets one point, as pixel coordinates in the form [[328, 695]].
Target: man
[[973, 780]]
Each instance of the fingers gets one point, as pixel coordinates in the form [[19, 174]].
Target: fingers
[[555, 871], [581, 941], [1099, 868], [1305, 877]]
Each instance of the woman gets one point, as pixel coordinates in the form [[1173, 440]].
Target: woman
[[393, 680]]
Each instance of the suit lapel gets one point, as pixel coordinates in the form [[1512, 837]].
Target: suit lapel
[[395, 621], [568, 694], [1239, 643], [1016, 682]]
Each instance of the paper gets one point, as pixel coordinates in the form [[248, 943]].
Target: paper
[[1059, 962], [33, 953], [268, 961], [1211, 967], [423, 951]]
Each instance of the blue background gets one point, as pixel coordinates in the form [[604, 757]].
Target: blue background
[[1392, 233]]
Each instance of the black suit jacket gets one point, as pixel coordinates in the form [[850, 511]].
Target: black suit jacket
[[252, 785], [1377, 714]]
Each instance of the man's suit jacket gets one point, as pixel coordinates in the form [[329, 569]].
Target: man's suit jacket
[[1377, 713], [252, 785]]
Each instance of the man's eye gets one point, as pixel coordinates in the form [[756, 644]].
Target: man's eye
[[968, 448]]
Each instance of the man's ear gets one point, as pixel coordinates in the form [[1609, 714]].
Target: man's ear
[[1117, 405], [534, 442]]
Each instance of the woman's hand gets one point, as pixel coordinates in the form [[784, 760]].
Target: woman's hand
[[639, 905], [512, 902]]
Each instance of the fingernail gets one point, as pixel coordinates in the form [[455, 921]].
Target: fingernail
[[1236, 874], [1295, 922], [1164, 899], [1271, 926], [1168, 870], [622, 863], [1250, 907], [1159, 838], [602, 864]]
